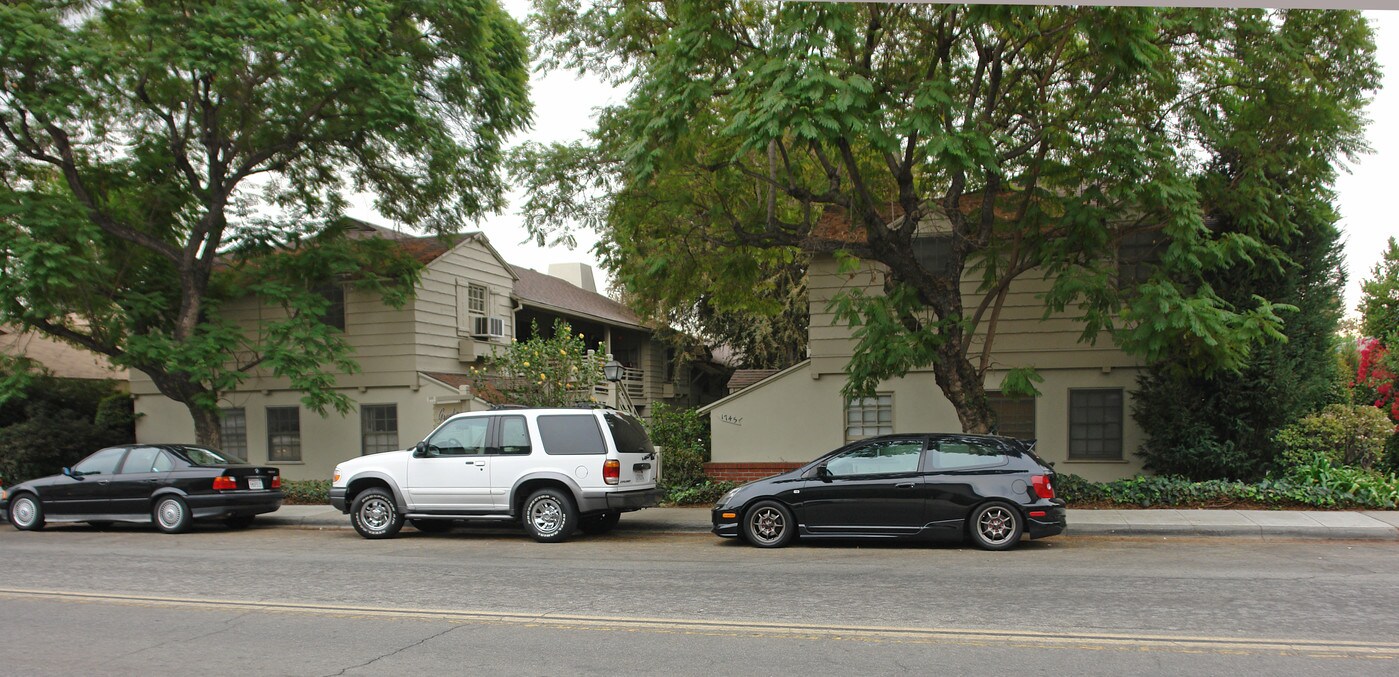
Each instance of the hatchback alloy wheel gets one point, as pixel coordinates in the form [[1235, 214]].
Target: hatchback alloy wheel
[[996, 526], [769, 525]]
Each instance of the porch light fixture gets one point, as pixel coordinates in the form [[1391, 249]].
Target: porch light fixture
[[612, 371]]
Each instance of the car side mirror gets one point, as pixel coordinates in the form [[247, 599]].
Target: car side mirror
[[69, 472], [823, 473], [420, 449]]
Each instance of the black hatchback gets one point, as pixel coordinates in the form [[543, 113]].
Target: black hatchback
[[992, 490], [169, 485]]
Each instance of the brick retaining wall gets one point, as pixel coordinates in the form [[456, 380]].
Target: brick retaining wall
[[747, 472]]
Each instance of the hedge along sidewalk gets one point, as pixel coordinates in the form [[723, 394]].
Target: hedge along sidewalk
[[1337, 525]]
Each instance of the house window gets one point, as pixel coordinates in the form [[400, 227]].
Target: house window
[[476, 299], [1138, 254], [378, 428], [869, 416], [1015, 416], [283, 434], [233, 428], [334, 314], [1095, 424]]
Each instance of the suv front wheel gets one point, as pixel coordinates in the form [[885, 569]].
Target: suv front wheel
[[550, 516], [374, 514]]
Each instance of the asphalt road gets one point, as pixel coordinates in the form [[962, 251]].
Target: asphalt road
[[77, 601]]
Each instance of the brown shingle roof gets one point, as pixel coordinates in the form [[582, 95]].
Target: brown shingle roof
[[742, 378], [550, 293], [448, 379]]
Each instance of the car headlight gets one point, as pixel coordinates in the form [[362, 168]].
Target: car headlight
[[724, 500]]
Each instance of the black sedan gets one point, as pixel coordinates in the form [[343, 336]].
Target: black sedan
[[990, 489], [169, 485]]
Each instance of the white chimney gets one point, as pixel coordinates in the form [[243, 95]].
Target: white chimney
[[577, 274]]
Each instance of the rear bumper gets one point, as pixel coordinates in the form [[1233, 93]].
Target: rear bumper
[[1051, 523], [601, 501], [233, 504]]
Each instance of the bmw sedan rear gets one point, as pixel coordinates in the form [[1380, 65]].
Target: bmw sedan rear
[[992, 490]]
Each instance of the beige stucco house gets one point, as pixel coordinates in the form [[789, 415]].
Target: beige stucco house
[[414, 360], [1081, 419]]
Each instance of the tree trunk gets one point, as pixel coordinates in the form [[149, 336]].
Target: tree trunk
[[207, 431], [962, 384]]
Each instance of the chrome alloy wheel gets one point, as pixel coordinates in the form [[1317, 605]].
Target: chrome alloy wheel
[[170, 513], [996, 525], [768, 524], [547, 515], [376, 513], [24, 511]]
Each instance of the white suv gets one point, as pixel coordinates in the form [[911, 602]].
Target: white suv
[[553, 470]]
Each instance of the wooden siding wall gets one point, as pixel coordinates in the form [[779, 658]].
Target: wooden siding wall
[[440, 317], [1024, 338]]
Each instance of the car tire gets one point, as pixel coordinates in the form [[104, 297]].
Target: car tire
[[374, 514], [549, 516], [995, 526], [171, 515], [26, 513], [600, 524], [769, 524], [432, 526], [239, 521]]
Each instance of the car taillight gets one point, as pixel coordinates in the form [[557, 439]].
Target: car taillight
[[276, 481], [612, 471], [1043, 487], [224, 482]]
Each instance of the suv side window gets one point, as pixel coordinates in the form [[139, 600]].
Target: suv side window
[[514, 436], [961, 453], [460, 437], [571, 435]]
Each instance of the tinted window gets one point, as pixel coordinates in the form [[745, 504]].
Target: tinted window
[[567, 435], [460, 437], [877, 458], [101, 463], [628, 434], [956, 454], [514, 435], [206, 456], [142, 460]]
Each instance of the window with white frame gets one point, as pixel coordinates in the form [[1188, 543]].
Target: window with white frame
[[378, 427], [233, 429], [1095, 424], [476, 296], [869, 416]]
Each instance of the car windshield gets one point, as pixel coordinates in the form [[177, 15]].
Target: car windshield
[[206, 456]]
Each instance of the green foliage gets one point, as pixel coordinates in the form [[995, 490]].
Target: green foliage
[[159, 162], [559, 371], [1343, 434], [1311, 486], [760, 134], [306, 492], [1379, 297], [55, 422], [682, 435], [706, 492]]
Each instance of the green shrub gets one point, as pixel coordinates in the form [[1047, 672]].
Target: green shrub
[[1316, 484], [708, 491], [1346, 435], [683, 437], [56, 422], [306, 492]]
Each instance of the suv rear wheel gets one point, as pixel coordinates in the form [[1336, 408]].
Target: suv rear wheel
[[374, 514], [550, 516]]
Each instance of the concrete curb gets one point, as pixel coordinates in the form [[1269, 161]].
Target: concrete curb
[[1254, 524]]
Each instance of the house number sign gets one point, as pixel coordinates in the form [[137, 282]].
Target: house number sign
[[729, 418]]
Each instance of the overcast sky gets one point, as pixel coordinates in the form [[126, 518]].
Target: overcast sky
[[564, 108]]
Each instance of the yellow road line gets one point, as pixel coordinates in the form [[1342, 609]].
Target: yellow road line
[[1083, 641]]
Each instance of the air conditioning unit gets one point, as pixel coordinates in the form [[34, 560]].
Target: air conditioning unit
[[487, 327]]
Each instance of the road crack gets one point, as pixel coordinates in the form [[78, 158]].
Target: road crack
[[376, 659]]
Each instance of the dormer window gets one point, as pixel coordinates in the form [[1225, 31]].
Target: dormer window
[[476, 299]]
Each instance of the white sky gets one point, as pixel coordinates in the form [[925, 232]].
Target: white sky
[[565, 106]]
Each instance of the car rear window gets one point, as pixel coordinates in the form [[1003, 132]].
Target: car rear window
[[628, 434], [206, 456], [571, 435]]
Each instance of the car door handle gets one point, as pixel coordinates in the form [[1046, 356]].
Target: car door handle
[[153, 480], [904, 485], [475, 462]]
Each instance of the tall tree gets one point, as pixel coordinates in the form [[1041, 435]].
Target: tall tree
[[158, 159], [1020, 140]]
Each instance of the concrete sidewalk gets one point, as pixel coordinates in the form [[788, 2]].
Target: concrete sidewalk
[[1368, 525]]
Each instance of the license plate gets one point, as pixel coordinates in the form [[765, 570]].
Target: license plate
[[255, 483]]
